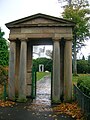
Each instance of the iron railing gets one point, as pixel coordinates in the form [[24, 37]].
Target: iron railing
[[82, 99], [33, 83]]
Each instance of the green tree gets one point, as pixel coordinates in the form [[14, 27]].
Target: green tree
[[88, 63], [89, 59], [78, 12], [49, 53], [45, 61], [73, 2], [82, 66], [83, 58], [4, 54]]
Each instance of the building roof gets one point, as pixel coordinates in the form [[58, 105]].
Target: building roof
[[50, 21]]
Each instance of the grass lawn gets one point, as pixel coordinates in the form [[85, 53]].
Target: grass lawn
[[42, 74], [75, 78]]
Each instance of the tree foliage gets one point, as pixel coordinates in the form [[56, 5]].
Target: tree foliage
[[73, 2], [45, 61], [49, 53], [3, 74], [82, 66], [78, 12], [89, 59], [89, 64], [83, 58], [4, 53], [84, 84]]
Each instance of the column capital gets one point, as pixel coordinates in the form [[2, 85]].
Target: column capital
[[64, 38], [14, 38], [56, 39], [11, 40], [24, 39], [68, 38]]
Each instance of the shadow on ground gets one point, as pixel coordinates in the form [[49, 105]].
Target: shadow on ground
[[38, 109], [30, 111]]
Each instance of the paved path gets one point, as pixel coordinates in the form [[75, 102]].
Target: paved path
[[39, 109], [43, 92]]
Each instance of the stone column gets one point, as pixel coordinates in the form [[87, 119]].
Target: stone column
[[56, 72], [29, 70], [22, 72], [12, 58], [68, 71]]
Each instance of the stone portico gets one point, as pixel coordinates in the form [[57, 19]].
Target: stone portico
[[40, 29]]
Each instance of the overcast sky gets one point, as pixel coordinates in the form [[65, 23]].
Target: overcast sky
[[11, 10]]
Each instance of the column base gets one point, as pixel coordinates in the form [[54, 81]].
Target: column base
[[68, 100], [12, 98], [55, 101], [22, 99]]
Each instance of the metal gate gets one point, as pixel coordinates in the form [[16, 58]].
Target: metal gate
[[33, 83]]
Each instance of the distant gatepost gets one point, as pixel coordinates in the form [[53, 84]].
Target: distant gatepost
[[41, 68]]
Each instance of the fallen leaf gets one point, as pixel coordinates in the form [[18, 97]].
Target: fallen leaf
[[70, 109], [6, 103]]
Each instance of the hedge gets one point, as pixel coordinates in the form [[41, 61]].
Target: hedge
[[84, 84]]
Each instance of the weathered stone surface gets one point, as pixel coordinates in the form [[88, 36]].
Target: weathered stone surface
[[15, 30], [22, 71], [40, 35], [39, 21], [12, 59], [68, 71], [40, 29], [56, 72]]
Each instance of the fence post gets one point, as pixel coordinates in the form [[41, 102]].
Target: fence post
[[5, 94], [74, 92]]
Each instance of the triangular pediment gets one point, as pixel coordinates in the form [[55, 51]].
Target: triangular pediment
[[40, 19]]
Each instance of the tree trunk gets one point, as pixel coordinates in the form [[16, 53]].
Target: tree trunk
[[69, 2]]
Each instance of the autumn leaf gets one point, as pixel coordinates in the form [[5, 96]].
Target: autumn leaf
[[71, 109], [6, 103]]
